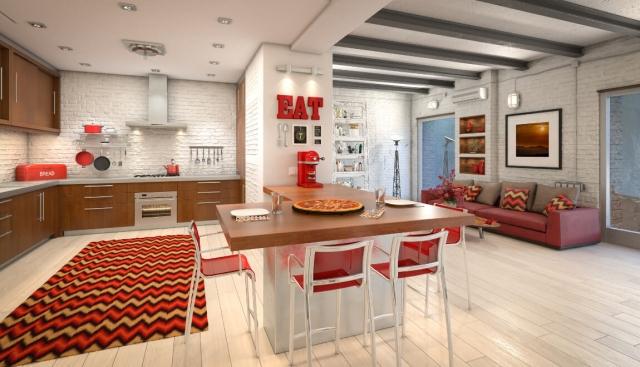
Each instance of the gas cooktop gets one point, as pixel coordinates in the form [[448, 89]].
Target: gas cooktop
[[153, 175]]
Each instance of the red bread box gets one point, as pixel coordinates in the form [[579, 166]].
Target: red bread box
[[37, 172]]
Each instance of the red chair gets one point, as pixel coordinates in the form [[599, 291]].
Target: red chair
[[409, 257], [457, 237], [325, 269], [221, 266]]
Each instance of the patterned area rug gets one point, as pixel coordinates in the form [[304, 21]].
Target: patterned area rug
[[111, 294]]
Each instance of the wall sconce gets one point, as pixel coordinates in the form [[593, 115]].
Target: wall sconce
[[433, 105], [513, 100], [288, 68]]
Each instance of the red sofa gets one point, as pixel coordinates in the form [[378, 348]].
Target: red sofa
[[560, 230]]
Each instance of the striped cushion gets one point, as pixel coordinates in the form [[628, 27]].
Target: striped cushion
[[559, 202], [515, 199], [471, 192]]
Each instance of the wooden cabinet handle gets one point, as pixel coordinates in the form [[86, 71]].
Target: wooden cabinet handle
[[5, 234], [208, 182], [103, 208], [5, 201], [1, 83], [209, 192], [6, 217], [16, 87], [54, 102], [99, 197], [208, 202], [93, 186]]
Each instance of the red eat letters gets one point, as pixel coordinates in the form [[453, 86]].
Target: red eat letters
[[287, 110]]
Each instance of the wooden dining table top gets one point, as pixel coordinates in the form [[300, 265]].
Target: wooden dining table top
[[291, 227]]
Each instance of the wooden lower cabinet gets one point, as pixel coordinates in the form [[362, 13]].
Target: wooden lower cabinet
[[197, 200], [8, 248], [96, 206]]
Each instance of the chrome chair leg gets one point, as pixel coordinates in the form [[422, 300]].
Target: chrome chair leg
[[292, 317], [187, 328], [192, 305], [404, 304], [338, 302], [372, 325], [445, 299], [396, 320], [426, 298], [307, 326], [365, 318], [466, 272]]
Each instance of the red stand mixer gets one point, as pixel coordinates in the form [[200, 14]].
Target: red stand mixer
[[307, 162]]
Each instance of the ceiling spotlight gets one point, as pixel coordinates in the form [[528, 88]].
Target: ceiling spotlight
[[128, 6], [65, 48], [37, 25], [211, 75], [214, 62], [155, 70], [218, 45], [85, 64], [225, 21]]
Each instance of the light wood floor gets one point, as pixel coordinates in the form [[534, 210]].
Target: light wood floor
[[532, 306]]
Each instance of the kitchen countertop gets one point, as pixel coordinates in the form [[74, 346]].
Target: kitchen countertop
[[8, 189], [291, 227]]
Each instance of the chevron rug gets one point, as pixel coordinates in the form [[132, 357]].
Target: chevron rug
[[111, 294]]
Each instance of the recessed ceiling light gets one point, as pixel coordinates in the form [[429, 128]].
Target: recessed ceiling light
[[85, 64], [225, 21], [214, 62], [37, 25], [218, 45], [128, 6], [211, 75], [155, 70], [65, 48]]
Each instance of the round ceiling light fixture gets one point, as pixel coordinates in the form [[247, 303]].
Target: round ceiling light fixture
[[225, 21], [211, 75], [155, 70], [85, 64], [214, 62], [513, 100], [218, 45], [65, 48], [37, 25], [128, 6]]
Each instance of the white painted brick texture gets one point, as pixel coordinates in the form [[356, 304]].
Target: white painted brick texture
[[207, 108], [13, 151]]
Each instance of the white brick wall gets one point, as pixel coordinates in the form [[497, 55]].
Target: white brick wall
[[254, 121], [13, 151], [207, 108], [388, 115]]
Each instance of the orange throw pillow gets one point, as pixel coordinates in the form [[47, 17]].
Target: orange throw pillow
[[471, 192], [559, 202], [515, 199]]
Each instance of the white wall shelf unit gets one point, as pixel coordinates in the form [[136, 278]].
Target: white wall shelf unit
[[351, 150]]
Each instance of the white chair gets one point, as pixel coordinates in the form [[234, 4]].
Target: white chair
[[221, 266], [330, 268], [412, 256]]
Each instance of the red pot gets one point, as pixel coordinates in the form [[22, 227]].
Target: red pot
[[84, 158], [172, 169], [92, 129]]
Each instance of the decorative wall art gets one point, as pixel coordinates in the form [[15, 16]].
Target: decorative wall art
[[299, 135], [534, 139]]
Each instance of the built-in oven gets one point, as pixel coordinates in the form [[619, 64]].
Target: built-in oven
[[156, 209]]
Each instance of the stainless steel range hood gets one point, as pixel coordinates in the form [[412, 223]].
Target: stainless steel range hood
[[158, 106]]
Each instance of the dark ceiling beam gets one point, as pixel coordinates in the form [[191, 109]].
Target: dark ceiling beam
[[402, 67], [386, 78], [418, 23], [392, 88], [574, 13], [408, 49]]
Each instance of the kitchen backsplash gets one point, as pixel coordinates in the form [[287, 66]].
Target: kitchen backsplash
[[207, 108], [13, 150]]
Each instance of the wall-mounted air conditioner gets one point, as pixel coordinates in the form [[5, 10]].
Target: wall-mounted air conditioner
[[470, 96]]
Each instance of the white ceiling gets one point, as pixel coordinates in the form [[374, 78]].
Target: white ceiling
[[95, 29], [489, 16]]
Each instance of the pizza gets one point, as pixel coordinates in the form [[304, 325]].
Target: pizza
[[328, 206]]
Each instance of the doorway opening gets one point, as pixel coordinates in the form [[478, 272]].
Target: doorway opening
[[436, 151]]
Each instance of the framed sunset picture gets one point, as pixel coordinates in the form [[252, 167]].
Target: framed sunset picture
[[534, 139]]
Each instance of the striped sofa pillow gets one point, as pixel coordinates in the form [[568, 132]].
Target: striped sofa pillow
[[559, 202], [515, 199]]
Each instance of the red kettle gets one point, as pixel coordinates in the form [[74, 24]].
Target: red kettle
[[173, 169]]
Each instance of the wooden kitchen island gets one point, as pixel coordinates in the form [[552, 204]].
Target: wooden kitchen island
[[291, 231]]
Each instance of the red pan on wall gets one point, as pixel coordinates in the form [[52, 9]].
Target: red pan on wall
[[84, 158]]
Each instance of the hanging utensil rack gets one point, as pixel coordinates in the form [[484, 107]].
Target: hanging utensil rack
[[209, 154]]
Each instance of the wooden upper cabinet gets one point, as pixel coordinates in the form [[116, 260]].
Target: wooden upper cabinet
[[30, 94]]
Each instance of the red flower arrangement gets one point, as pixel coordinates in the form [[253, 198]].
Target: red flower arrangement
[[447, 191]]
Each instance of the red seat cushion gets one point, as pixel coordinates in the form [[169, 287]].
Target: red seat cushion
[[336, 273], [384, 269], [474, 207], [224, 265], [529, 220]]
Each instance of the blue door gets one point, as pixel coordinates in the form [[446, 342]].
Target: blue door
[[437, 149]]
